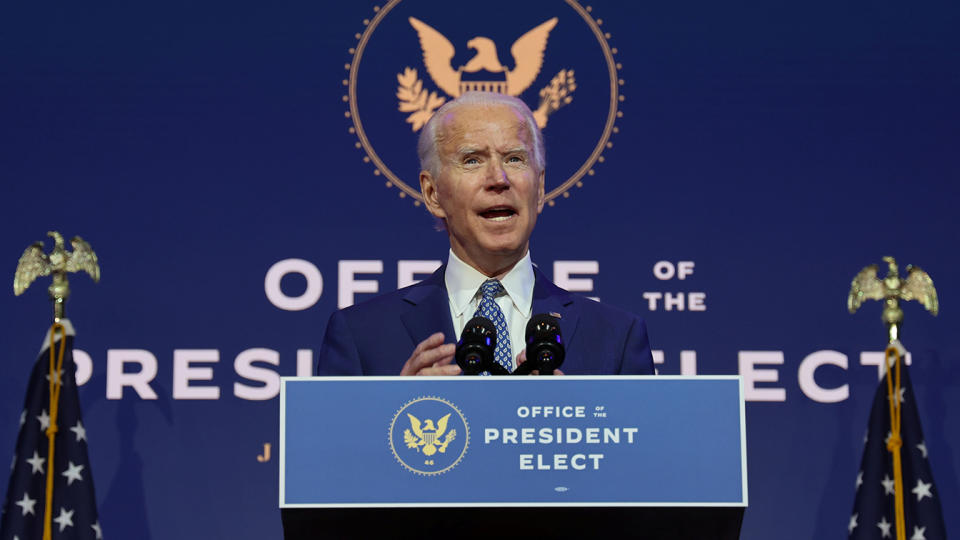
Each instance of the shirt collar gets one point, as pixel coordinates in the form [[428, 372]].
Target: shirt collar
[[463, 281]]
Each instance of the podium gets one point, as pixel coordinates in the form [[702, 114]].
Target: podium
[[632, 456]]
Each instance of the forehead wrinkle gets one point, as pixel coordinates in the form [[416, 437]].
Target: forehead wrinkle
[[467, 148]]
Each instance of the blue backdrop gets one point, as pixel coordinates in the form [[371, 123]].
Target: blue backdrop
[[765, 152]]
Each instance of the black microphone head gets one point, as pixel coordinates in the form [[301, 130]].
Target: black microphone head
[[544, 343], [542, 322], [481, 325], [475, 349]]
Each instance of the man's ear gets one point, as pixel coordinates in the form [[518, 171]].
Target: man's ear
[[541, 196], [431, 194]]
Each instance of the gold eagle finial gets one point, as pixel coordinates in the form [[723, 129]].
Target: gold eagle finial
[[917, 286], [35, 263]]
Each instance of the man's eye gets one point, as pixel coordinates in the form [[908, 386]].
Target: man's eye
[[515, 159], [471, 161]]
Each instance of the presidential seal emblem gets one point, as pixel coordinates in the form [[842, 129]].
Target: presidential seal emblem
[[414, 55], [429, 436]]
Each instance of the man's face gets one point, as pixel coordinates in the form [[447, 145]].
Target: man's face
[[488, 190]]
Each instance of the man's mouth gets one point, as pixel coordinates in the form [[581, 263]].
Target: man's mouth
[[498, 213]]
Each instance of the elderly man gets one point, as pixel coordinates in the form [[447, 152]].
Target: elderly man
[[482, 160]]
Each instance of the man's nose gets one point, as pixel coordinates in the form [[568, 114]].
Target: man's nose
[[497, 178]]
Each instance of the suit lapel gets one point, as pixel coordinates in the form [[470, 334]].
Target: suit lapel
[[428, 305], [550, 299]]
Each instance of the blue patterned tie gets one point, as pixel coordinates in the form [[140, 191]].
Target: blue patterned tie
[[489, 309]]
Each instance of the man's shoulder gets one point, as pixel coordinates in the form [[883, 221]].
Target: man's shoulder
[[583, 304], [601, 339], [391, 302], [603, 317], [602, 309]]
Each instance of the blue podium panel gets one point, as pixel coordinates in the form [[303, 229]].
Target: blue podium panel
[[455, 441]]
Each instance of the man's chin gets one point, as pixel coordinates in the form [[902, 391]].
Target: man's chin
[[505, 253], [504, 243]]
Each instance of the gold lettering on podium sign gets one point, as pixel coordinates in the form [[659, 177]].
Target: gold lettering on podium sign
[[265, 456]]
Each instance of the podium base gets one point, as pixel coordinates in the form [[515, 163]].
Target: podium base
[[722, 523]]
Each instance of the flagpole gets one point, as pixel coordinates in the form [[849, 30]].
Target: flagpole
[[56, 367], [916, 286], [34, 263], [895, 442]]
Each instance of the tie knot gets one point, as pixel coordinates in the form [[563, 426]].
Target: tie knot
[[491, 288]]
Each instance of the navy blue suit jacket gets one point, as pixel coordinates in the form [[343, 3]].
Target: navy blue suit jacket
[[377, 336]]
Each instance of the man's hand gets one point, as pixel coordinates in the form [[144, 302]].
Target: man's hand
[[522, 357], [432, 357]]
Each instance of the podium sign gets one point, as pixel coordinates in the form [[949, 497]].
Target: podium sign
[[512, 441]]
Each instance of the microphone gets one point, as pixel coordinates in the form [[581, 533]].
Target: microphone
[[475, 349], [545, 350]]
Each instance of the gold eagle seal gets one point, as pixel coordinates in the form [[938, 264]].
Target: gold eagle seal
[[429, 436], [600, 94]]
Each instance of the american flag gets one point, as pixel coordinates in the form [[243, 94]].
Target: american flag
[[873, 509], [74, 508]]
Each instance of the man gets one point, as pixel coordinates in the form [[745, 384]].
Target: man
[[482, 161]]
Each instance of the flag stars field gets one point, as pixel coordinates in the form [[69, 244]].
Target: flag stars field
[[65, 519], [62, 472], [922, 490], [36, 463], [44, 419], [888, 484], [73, 473], [58, 378], [883, 507], [884, 526], [26, 504], [853, 523], [80, 431]]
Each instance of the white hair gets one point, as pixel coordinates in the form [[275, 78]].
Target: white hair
[[427, 145]]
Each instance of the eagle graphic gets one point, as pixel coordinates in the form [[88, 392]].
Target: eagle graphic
[[483, 72], [527, 53], [427, 436]]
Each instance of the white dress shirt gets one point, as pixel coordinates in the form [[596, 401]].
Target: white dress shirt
[[463, 290]]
